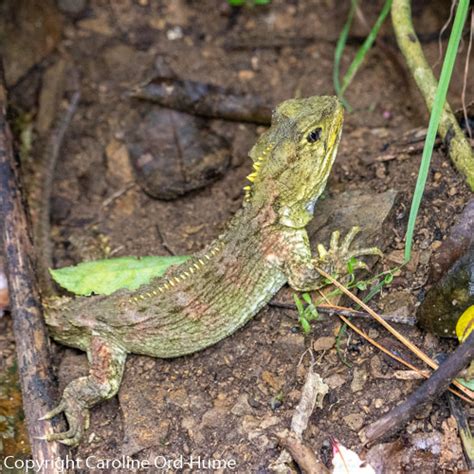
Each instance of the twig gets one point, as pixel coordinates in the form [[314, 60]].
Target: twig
[[422, 373], [458, 146], [31, 340], [418, 352], [302, 455], [424, 394], [164, 242], [42, 231], [108, 201], [443, 29], [348, 312]]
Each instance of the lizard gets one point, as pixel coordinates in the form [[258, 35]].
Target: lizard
[[214, 293]]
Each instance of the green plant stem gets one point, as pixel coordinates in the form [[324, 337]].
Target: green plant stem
[[364, 48], [341, 43], [459, 148]]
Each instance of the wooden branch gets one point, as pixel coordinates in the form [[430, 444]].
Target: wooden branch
[[424, 394], [458, 146], [31, 338], [302, 455]]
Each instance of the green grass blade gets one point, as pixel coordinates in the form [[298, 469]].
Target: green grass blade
[[341, 44], [366, 45], [440, 98]]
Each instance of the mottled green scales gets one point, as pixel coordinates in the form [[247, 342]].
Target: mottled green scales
[[217, 291]]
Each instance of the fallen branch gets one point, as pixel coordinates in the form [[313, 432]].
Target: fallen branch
[[31, 339], [458, 146], [425, 393], [302, 455]]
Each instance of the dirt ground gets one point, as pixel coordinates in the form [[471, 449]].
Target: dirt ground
[[228, 401]]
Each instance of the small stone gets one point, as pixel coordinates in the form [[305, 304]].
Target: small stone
[[269, 421], [373, 333], [359, 379], [324, 343], [174, 33], [246, 75], [272, 380], [179, 398], [188, 423], [242, 406], [214, 418], [355, 421], [335, 381], [378, 403], [249, 423]]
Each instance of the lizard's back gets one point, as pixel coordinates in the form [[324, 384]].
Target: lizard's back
[[197, 304]]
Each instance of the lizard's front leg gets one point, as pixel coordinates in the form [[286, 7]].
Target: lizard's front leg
[[107, 362], [300, 264]]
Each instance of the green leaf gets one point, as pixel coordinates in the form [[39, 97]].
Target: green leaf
[[298, 304], [350, 265], [103, 277], [388, 278], [305, 325]]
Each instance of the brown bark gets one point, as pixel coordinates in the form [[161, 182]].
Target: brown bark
[[32, 343]]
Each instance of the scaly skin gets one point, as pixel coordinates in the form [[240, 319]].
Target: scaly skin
[[216, 292]]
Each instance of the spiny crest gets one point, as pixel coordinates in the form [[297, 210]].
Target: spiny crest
[[257, 165], [188, 270]]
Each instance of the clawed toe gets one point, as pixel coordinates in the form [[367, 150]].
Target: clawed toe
[[335, 259], [55, 411], [365, 252], [78, 421]]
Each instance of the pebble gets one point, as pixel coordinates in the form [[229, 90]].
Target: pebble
[[272, 380], [335, 381], [355, 421], [359, 379], [242, 406], [324, 343]]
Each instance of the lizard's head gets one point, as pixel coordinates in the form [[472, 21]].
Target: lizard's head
[[293, 158]]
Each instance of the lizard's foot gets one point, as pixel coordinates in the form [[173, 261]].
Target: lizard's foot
[[334, 260], [77, 417], [103, 381]]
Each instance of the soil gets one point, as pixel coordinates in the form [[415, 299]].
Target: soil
[[228, 401]]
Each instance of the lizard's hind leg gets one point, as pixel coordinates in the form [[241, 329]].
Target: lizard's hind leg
[[107, 362]]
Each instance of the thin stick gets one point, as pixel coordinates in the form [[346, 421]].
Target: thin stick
[[42, 234], [31, 339], [302, 454], [425, 393], [443, 29], [349, 312], [395, 357], [418, 352]]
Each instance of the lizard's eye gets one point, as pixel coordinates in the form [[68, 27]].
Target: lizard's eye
[[314, 135]]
